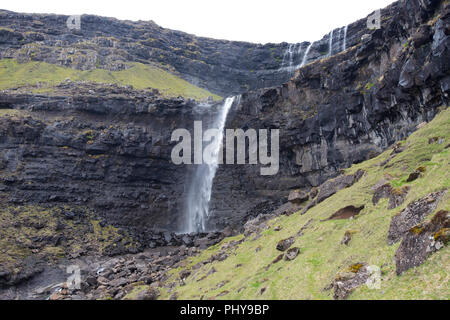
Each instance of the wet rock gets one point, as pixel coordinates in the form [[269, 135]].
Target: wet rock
[[412, 215], [421, 241]]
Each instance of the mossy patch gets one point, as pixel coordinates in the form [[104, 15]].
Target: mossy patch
[[140, 76]]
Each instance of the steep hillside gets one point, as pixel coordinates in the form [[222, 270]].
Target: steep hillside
[[251, 267]]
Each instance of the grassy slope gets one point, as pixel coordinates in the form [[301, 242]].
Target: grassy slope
[[322, 256], [140, 76]]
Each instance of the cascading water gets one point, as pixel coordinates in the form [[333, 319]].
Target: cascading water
[[305, 56], [344, 43], [288, 58], [330, 44], [199, 194]]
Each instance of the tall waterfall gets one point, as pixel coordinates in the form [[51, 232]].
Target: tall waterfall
[[330, 44], [344, 43], [199, 194]]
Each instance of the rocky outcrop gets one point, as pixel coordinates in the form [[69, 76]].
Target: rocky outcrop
[[412, 215], [421, 241], [348, 280]]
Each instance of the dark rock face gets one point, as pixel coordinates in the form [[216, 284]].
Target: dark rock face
[[109, 151]]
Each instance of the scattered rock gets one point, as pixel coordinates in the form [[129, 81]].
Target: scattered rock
[[277, 259], [396, 196], [298, 197], [330, 187], [184, 274], [148, 294], [291, 254], [283, 245], [435, 140], [413, 176], [414, 214], [348, 280], [347, 237], [421, 241]]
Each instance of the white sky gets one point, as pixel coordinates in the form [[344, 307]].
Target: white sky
[[258, 21]]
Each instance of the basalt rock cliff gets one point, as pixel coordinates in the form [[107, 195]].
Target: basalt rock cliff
[[108, 147]]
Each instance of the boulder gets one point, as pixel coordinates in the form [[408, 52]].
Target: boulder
[[421, 241], [283, 245], [291, 254], [298, 197], [414, 214]]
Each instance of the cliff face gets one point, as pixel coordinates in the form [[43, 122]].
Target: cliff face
[[109, 147], [223, 67], [104, 147], [344, 109]]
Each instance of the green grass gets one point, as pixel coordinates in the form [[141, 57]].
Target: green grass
[[322, 255], [140, 76]]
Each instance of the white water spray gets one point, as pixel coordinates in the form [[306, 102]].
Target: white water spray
[[289, 55], [199, 194], [305, 56], [330, 44], [344, 44]]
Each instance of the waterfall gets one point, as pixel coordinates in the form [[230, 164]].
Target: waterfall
[[330, 44], [344, 45], [305, 56], [289, 53], [199, 193]]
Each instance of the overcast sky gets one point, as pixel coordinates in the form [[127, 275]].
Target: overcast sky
[[259, 21]]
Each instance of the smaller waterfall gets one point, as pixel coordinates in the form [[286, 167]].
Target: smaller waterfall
[[330, 44], [288, 58], [199, 193], [305, 56], [344, 43]]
